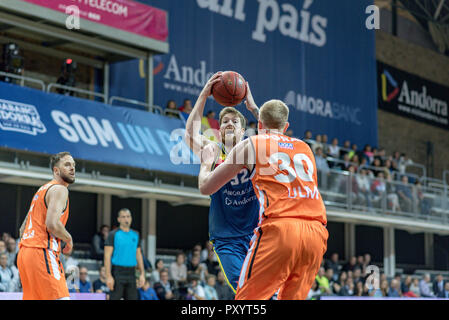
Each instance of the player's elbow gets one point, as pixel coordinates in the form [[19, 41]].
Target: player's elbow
[[51, 225], [205, 189]]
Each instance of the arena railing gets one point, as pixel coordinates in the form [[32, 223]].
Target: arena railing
[[149, 108], [73, 89], [340, 189], [23, 79]]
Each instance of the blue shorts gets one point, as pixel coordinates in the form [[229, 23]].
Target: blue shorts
[[231, 252]]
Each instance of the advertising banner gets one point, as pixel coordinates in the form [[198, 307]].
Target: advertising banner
[[317, 56], [411, 96], [126, 15], [49, 123]]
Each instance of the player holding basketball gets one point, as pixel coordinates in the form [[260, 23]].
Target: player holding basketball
[[41, 233], [234, 207], [289, 243]]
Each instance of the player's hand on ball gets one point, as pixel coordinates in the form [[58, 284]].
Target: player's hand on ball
[[208, 153], [207, 90]]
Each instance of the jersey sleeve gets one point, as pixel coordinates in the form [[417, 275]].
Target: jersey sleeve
[[110, 239]]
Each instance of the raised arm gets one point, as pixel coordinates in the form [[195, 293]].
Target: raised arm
[[250, 103], [193, 137]]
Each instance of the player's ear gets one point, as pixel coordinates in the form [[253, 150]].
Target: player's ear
[[286, 126]]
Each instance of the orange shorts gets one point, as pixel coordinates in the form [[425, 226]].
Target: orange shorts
[[42, 274], [285, 254]]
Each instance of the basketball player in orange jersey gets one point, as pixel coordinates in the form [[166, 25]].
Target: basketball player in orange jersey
[[291, 238], [40, 269]]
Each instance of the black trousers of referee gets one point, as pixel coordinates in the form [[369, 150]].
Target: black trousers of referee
[[124, 283]]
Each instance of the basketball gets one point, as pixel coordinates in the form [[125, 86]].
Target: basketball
[[231, 90]]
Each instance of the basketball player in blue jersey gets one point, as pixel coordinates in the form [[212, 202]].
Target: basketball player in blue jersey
[[234, 209]]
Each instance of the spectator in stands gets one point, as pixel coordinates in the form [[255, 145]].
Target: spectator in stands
[[425, 287], [84, 284], [314, 292], [405, 288], [396, 158], [195, 266], [11, 249], [394, 291], [208, 247], [333, 264], [171, 109], [379, 188], [422, 203], [445, 292], [360, 261], [353, 151], [350, 265], [186, 106], [195, 290], [366, 261], [364, 190], [345, 149], [353, 184], [213, 267], [209, 288], [368, 154], [289, 133], [178, 269], [99, 285], [405, 194], [98, 243], [414, 287], [323, 168], [389, 167], [195, 250], [224, 292], [164, 288], [377, 167], [3, 247], [403, 162], [213, 122], [359, 290], [323, 282], [438, 285], [357, 274], [146, 292], [155, 274], [317, 143], [344, 166], [334, 150], [348, 289], [251, 130], [392, 196], [308, 138], [356, 161], [384, 288], [9, 276]]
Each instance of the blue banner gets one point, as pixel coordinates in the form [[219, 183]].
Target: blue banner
[[317, 56], [50, 123]]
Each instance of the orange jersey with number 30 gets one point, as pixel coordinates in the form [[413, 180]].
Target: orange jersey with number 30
[[285, 178], [36, 234]]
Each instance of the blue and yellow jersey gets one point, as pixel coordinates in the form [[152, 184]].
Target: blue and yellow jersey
[[234, 209]]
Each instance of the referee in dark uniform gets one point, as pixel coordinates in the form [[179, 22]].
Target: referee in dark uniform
[[122, 254]]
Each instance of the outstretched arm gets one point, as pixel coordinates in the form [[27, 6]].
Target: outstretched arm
[[210, 182], [193, 137]]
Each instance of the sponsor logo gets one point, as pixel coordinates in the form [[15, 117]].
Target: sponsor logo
[[20, 117], [388, 79], [285, 145]]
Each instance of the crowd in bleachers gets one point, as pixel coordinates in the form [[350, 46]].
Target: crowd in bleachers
[[356, 278], [196, 275]]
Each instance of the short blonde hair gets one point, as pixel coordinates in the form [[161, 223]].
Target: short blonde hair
[[234, 111], [274, 114]]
